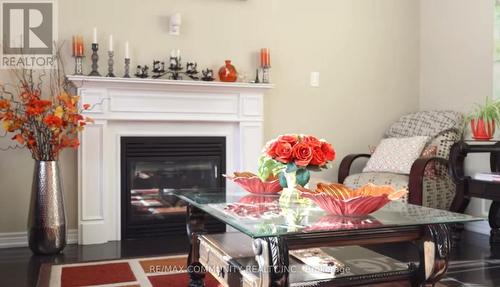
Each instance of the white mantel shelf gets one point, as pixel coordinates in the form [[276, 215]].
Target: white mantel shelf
[[107, 81], [133, 107]]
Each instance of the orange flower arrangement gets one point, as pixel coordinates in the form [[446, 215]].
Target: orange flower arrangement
[[44, 126]]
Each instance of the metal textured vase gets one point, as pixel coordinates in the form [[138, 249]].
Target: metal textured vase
[[47, 220]]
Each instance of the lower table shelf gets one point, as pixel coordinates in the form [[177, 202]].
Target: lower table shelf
[[229, 258]]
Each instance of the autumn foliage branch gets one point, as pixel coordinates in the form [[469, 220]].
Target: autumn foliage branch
[[40, 112]]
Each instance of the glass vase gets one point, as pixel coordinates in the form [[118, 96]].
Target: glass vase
[[290, 194]]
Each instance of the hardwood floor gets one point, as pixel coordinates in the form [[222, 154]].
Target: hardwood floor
[[473, 262]]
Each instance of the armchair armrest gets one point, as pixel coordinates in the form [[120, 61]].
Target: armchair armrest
[[346, 163], [417, 178]]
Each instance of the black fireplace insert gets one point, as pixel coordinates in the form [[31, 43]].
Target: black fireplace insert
[[151, 167]]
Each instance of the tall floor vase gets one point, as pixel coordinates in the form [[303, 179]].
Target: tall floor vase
[[47, 220]]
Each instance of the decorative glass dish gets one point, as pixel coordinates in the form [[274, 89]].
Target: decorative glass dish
[[253, 184]]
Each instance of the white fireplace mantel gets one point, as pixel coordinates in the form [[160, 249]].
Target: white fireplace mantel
[[154, 107]]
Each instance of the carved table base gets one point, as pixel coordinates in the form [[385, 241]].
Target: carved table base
[[434, 252], [196, 219], [494, 220], [271, 253]]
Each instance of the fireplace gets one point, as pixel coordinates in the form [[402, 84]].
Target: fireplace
[[152, 167], [134, 108]]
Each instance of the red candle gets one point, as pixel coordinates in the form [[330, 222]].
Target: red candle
[[265, 57], [80, 46], [74, 46]]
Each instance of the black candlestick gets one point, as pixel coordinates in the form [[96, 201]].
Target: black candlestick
[[127, 68], [95, 59], [111, 62]]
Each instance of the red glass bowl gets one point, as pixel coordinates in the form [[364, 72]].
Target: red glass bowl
[[254, 184], [356, 206], [338, 199]]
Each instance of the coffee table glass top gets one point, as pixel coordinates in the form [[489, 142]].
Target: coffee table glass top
[[263, 216]]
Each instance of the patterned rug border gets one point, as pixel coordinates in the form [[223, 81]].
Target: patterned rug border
[[45, 270]]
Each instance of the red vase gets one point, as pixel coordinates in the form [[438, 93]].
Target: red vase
[[228, 73], [482, 130]]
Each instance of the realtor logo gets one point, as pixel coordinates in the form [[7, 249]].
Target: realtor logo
[[27, 34]]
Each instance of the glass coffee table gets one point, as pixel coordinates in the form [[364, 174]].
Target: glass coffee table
[[263, 238]]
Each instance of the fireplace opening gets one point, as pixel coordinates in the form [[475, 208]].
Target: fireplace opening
[[151, 167]]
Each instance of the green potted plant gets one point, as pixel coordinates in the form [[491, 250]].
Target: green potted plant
[[483, 119]]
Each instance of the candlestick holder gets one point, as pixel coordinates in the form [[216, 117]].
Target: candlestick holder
[[78, 65], [127, 68], [95, 59], [266, 74], [111, 62]]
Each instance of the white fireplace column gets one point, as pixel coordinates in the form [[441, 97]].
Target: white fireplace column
[[152, 107]]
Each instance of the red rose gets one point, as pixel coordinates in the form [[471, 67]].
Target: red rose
[[303, 154], [312, 141], [283, 152], [318, 157], [328, 151], [271, 149], [291, 139]]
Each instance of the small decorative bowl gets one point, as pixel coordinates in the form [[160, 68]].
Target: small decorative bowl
[[253, 184], [338, 199]]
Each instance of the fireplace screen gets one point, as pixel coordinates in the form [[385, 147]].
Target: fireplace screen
[[153, 167]]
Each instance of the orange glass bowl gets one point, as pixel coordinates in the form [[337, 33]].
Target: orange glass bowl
[[253, 184], [338, 199]]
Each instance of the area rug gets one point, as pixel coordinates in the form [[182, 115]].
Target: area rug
[[140, 272]]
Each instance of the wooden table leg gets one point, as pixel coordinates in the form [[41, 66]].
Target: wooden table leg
[[494, 220], [434, 251], [271, 253], [195, 225]]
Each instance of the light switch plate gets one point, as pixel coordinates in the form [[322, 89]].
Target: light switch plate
[[315, 79]]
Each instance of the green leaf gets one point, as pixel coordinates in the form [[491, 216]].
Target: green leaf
[[303, 176], [283, 180], [268, 167], [291, 167]]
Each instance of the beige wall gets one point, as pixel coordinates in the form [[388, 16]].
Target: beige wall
[[367, 52], [457, 62]]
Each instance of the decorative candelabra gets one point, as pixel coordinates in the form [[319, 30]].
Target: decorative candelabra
[[175, 68], [127, 68], [208, 75], [111, 62], [95, 59]]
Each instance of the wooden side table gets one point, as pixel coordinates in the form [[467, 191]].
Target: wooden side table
[[467, 187]]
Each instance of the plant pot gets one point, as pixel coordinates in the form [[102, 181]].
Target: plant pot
[[228, 73], [46, 220], [482, 130], [290, 194]]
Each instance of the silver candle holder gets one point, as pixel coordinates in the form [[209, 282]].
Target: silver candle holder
[[127, 68], [266, 74], [78, 65], [111, 62], [95, 59]]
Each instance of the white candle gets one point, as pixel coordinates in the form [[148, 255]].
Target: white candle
[[178, 54], [95, 36], [110, 43], [127, 52], [172, 54]]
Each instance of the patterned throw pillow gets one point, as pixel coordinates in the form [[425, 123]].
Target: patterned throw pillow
[[396, 155], [429, 151]]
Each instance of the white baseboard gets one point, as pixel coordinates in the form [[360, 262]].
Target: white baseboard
[[482, 227], [20, 239]]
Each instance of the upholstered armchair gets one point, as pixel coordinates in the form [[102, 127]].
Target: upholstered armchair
[[434, 189]]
